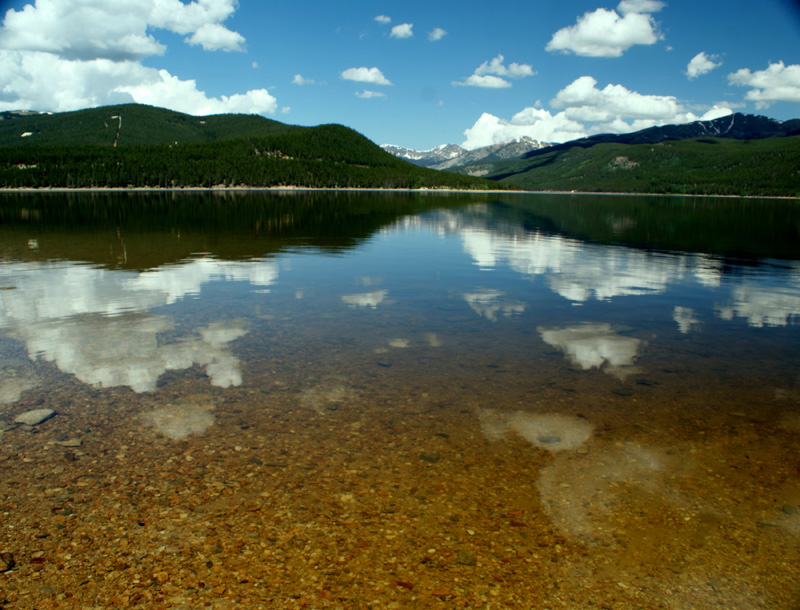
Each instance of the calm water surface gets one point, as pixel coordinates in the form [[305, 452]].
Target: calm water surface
[[395, 400]]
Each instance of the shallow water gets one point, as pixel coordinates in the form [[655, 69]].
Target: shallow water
[[391, 400]]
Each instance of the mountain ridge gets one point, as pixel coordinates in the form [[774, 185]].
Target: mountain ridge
[[737, 126], [445, 156], [139, 146]]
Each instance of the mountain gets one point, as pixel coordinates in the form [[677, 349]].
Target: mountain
[[426, 158], [736, 126], [134, 145], [734, 155], [496, 152], [447, 156]]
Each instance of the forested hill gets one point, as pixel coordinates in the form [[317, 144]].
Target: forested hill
[[133, 145]]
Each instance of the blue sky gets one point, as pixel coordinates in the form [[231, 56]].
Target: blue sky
[[409, 72]]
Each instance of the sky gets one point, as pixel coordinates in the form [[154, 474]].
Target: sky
[[414, 73]]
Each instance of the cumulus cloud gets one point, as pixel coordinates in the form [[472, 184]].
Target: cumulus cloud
[[402, 31], [50, 60], [214, 37], [383, 19], [489, 74], [532, 122], [639, 6], [299, 80], [496, 66], [778, 83], [584, 110], [366, 94], [486, 81], [702, 64], [366, 75], [607, 33], [616, 109], [584, 101], [436, 34], [163, 89], [717, 111]]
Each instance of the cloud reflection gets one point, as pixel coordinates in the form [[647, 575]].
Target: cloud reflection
[[489, 303], [764, 305], [95, 323], [685, 318], [594, 346], [365, 299]]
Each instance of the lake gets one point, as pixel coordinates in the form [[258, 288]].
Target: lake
[[399, 400]]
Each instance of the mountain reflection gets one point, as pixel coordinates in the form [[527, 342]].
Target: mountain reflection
[[108, 321], [580, 272]]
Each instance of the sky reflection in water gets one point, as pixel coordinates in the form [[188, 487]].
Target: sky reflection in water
[[103, 325], [621, 371]]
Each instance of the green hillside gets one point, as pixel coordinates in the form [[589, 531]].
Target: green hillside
[[139, 125], [706, 166], [139, 146]]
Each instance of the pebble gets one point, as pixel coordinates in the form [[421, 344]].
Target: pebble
[[788, 509], [431, 458], [35, 417], [548, 440], [623, 392], [6, 562], [71, 442]]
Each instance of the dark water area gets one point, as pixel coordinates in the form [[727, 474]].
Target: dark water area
[[397, 400]]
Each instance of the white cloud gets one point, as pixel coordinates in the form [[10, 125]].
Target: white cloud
[[50, 59], [584, 101], [487, 81], [437, 34], [488, 74], [214, 37], [616, 109], [163, 89], [383, 19], [532, 122], [639, 6], [402, 31], [495, 66], [118, 30], [716, 111], [366, 75], [299, 80], [586, 110], [702, 64], [604, 33], [778, 83], [366, 94]]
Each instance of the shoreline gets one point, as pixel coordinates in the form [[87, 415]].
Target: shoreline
[[286, 189]]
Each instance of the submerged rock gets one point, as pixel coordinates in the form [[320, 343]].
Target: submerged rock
[[178, 421], [549, 431], [35, 417]]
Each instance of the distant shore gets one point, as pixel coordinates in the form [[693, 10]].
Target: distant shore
[[155, 189], [278, 189]]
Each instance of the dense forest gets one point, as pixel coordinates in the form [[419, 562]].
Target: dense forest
[[136, 146], [703, 166]]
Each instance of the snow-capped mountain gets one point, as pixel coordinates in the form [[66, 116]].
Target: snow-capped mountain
[[446, 156], [426, 158]]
